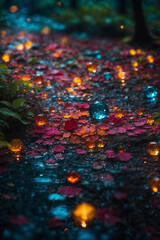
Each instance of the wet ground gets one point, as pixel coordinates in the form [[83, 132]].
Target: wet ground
[[36, 200]]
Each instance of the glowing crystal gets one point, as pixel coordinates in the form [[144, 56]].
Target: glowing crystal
[[41, 120], [73, 177], [16, 145], [98, 110], [150, 92], [153, 148]]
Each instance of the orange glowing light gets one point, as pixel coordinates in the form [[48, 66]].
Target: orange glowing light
[[38, 80], [100, 144], [139, 111], [59, 4], [121, 149], [154, 184], [121, 75], [25, 78], [84, 214], [91, 67], [77, 80], [150, 120], [3, 33], [28, 45], [134, 64], [64, 40], [153, 148], [150, 58], [122, 27], [73, 177], [91, 144], [46, 30], [132, 52], [52, 109], [6, 57], [44, 95], [13, 9], [59, 101], [48, 83], [119, 113], [41, 120], [16, 145]]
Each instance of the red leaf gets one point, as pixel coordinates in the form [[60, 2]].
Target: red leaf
[[70, 125], [3, 169], [55, 222], [19, 220]]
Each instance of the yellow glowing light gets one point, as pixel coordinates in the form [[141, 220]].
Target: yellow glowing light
[[134, 64], [139, 111], [100, 144], [150, 120], [77, 80], [132, 52], [122, 27], [67, 116], [6, 57], [28, 45], [150, 58], [25, 78], [121, 75], [154, 184], [84, 214], [46, 30], [13, 9], [20, 46]]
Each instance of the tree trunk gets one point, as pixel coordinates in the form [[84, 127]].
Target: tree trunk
[[122, 7], [141, 34], [73, 4]]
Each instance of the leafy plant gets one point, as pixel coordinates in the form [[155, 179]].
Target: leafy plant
[[14, 104]]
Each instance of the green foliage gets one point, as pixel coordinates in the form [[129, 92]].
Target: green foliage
[[14, 106], [157, 117]]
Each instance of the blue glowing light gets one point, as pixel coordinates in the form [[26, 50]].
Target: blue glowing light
[[150, 92], [98, 110]]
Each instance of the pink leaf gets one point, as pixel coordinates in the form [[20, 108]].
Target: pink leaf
[[50, 161], [124, 156], [55, 222], [80, 151], [110, 154], [69, 191], [58, 148]]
